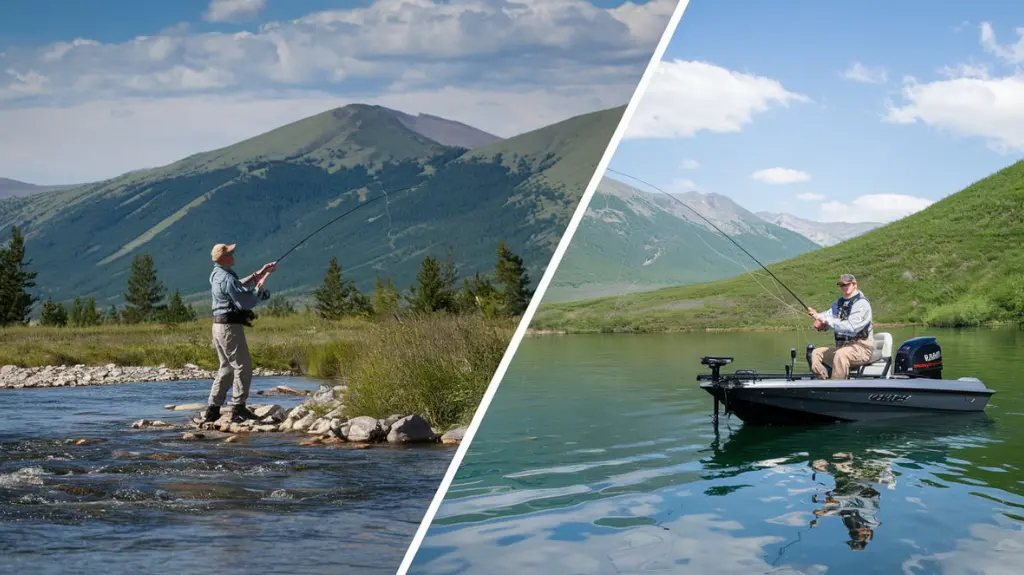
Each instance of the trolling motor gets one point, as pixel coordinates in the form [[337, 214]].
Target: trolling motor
[[792, 360], [715, 363]]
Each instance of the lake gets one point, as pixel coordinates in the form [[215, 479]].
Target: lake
[[598, 456], [148, 502]]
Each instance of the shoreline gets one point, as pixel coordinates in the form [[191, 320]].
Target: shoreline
[[758, 329], [14, 377]]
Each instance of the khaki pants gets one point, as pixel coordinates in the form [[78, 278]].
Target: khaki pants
[[854, 353], [235, 362]]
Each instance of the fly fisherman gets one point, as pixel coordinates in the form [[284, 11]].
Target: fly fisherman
[[233, 300], [850, 320]]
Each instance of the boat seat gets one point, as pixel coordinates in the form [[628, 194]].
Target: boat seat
[[881, 357]]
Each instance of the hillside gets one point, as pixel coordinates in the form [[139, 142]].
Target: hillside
[[821, 233], [14, 189], [268, 192], [631, 240], [958, 262]]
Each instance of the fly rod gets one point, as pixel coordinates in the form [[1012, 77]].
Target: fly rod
[[716, 228]]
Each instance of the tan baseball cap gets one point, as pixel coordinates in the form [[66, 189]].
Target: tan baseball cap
[[846, 279], [221, 250]]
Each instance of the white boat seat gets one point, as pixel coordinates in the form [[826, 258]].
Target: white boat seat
[[881, 357]]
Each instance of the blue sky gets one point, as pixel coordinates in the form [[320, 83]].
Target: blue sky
[[873, 148], [91, 90]]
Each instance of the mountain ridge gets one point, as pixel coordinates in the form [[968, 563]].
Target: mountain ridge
[[822, 233]]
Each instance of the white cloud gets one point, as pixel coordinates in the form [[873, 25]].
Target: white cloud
[[690, 164], [811, 197], [860, 73], [81, 109], [882, 208], [1012, 54], [233, 10], [780, 176], [686, 97]]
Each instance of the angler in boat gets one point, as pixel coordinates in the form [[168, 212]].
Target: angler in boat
[[850, 320]]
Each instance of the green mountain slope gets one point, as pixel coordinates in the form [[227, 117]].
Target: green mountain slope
[[958, 262], [632, 240], [268, 192]]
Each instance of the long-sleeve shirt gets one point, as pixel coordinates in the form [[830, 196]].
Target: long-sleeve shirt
[[229, 292], [860, 317]]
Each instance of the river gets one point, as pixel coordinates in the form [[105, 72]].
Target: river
[[148, 502], [598, 456]]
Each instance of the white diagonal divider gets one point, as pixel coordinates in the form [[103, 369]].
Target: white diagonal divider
[[542, 285]]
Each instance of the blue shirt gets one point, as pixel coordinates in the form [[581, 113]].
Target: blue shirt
[[230, 293]]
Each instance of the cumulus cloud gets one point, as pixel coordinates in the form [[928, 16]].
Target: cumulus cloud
[[233, 10], [860, 73], [780, 176], [686, 97], [971, 101], [505, 66], [882, 208], [810, 197], [690, 164]]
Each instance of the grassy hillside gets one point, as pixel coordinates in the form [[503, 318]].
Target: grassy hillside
[[632, 240], [268, 192], [959, 262]]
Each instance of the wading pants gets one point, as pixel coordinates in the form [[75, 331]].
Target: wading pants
[[235, 364], [854, 353]]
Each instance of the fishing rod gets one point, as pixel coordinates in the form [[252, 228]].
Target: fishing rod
[[321, 228], [716, 228]]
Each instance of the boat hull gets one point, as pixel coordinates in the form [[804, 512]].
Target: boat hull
[[802, 403]]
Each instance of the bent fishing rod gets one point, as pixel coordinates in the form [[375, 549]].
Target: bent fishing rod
[[716, 228], [384, 194]]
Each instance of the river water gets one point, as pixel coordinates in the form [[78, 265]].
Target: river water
[[597, 456], [146, 501]]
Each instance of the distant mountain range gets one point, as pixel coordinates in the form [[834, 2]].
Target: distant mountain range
[[631, 240], [14, 189], [450, 187], [822, 233]]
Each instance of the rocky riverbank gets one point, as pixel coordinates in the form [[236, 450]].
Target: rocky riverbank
[[321, 417], [14, 377]]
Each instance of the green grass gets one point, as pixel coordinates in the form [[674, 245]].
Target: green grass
[[437, 366], [958, 263]]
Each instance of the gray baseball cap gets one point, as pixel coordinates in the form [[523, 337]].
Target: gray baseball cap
[[846, 279]]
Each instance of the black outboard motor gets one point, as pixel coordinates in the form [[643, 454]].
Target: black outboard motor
[[919, 357]]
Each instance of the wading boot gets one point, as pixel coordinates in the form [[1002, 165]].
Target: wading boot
[[240, 413], [211, 414]]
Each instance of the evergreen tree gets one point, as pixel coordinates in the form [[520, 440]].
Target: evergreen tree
[[279, 306], [386, 299], [435, 287], [479, 295], [112, 316], [144, 291], [176, 310], [91, 315], [510, 274], [337, 297], [15, 280], [53, 314], [75, 315]]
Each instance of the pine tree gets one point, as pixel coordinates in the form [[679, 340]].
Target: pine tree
[[279, 306], [435, 287], [338, 298], [53, 314], [510, 274], [15, 280], [75, 315], [144, 291], [91, 315], [112, 316], [479, 295], [176, 310], [386, 299]]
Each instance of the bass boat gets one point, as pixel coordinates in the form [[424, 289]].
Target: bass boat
[[910, 384]]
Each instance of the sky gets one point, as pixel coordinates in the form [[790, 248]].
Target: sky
[[85, 96], [864, 111]]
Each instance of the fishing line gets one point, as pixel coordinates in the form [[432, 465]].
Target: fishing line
[[727, 236]]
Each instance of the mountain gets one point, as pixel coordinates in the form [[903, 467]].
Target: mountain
[[269, 192], [444, 131], [631, 240], [14, 189], [821, 233], [958, 262]]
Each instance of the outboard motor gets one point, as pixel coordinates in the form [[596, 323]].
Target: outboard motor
[[919, 357]]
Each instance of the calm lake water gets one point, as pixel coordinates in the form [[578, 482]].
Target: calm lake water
[[147, 502], [598, 456]]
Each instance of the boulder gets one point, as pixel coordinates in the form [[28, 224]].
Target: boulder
[[364, 429], [412, 429], [454, 436]]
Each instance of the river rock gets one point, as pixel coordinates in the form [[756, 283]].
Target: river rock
[[364, 429], [274, 412], [191, 436], [147, 424], [454, 436], [15, 377], [305, 423], [411, 429], [320, 426], [186, 407]]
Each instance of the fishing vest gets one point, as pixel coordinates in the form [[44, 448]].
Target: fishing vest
[[844, 307]]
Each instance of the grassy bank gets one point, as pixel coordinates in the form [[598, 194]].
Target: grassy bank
[[958, 263], [438, 365]]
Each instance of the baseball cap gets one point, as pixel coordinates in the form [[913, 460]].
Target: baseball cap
[[846, 279], [221, 250]]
